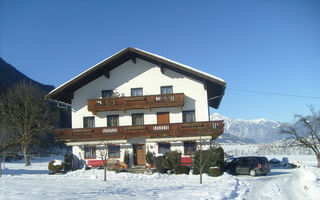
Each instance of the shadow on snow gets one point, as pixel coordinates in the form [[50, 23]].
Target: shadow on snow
[[7, 171]]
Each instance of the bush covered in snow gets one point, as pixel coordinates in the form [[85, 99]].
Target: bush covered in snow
[[56, 166]]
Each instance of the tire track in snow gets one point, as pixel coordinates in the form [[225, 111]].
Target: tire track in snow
[[240, 190], [280, 184]]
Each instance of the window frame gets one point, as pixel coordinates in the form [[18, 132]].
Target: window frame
[[92, 152], [112, 116], [189, 147], [188, 111], [164, 148], [136, 89], [84, 122], [137, 114], [107, 91], [166, 87], [114, 151]]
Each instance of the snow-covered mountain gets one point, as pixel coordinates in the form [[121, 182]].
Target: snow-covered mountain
[[258, 130], [228, 138]]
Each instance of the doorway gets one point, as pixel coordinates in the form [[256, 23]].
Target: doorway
[[139, 154]]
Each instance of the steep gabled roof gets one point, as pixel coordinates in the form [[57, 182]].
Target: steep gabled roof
[[64, 93]]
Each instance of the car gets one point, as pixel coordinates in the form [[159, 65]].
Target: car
[[274, 162], [250, 165]]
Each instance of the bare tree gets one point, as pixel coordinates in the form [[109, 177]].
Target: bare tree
[[6, 140], [203, 158], [26, 114], [305, 131], [103, 155]]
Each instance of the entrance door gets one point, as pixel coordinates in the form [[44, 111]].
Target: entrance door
[[163, 118], [139, 154]]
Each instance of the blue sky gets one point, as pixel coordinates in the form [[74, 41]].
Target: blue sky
[[267, 45]]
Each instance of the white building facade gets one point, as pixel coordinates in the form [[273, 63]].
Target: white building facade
[[136, 101]]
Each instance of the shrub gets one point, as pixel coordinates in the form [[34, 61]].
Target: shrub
[[215, 171], [55, 168], [68, 162], [182, 170], [126, 158], [160, 163], [113, 167], [210, 158], [174, 160], [149, 156]]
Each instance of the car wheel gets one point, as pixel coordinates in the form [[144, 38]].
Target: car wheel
[[252, 172]]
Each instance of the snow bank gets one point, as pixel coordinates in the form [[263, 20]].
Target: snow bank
[[309, 178], [57, 162]]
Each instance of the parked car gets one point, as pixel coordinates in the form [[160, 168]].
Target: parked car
[[251, 165], [274, 162], [284, 162]]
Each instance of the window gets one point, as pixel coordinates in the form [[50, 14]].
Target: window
[[164, 148], [166, 90], [113, 120], [89, 152], [114, 151], [137, 119], [189, 116], [136, 92], [88, 122], [189, 148], [106, 93]]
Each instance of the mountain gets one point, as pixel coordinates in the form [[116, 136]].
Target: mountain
[[229, 138], [9, 76], [249, 131]]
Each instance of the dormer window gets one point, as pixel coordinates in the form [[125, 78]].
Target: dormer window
[[106, 93], [136, 92]]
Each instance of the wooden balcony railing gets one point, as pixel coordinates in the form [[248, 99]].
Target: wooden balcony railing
[[213, 128], [138, 102]]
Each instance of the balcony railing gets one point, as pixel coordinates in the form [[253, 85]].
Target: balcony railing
[[213, 128], [138, 102]]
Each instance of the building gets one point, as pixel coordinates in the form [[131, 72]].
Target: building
[[136, 101]]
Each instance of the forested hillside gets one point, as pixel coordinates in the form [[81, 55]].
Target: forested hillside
[[9, 76]]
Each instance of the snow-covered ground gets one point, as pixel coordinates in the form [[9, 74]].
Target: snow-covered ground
[[33, 182]]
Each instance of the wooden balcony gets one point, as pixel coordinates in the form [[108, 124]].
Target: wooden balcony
[[138, 102], [211, 128]]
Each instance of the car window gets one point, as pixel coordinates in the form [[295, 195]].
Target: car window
[[236, 160], [254, 160], [244, 161], [263, 160]]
